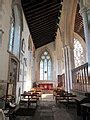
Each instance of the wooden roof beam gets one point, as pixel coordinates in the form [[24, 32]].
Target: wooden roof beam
[[34, 21], [39, 8]]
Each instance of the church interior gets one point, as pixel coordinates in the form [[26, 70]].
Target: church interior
[[44, 59]]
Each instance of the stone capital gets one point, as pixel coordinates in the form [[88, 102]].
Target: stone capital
[[68, 46]]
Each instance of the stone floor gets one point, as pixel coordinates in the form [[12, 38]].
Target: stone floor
[[49, 110]]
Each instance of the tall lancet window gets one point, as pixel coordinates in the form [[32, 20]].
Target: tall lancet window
[[45, 66], [79, 53], [15, 31], [12, 29]]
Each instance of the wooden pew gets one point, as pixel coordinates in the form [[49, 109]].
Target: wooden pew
[[80, 99], [29, 98]]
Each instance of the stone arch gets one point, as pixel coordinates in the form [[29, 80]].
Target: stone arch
[[81, 40], [49, 51], [67, 29], [38, 55], [82, 43], [68, 20]]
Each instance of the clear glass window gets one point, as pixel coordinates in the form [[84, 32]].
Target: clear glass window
[[45, 66], [79, 55], [11, 39]]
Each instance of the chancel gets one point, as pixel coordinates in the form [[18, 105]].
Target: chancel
[[45, 59]]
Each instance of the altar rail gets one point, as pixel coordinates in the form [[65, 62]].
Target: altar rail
[[80, 78]]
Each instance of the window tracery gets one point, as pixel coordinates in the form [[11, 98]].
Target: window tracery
[[79, 55], [45, 66]]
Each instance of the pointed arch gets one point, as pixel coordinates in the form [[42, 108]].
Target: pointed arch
[[45, 64], [79, 50], [49, 51]]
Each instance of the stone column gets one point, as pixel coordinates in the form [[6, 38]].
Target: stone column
[[85, 12], [67, 28], [67, 63], [59, 67]]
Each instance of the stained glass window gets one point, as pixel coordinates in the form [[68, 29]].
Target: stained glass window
[[45, 66]]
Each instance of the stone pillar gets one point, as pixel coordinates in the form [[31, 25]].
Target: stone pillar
[[59, 67], [67, 63], [71, 65], [67, 29], [58, 49], [85, 12]]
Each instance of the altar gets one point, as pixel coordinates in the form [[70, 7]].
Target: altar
[[46, 86]]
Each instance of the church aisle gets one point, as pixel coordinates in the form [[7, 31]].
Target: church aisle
[[48, 110]]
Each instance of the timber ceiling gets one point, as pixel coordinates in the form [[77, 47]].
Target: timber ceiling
[[79, 29], [42, 17]]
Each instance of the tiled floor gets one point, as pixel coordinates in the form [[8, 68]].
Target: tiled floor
[[48, 110]]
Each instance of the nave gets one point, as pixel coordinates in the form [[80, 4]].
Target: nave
[[44, 44]]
